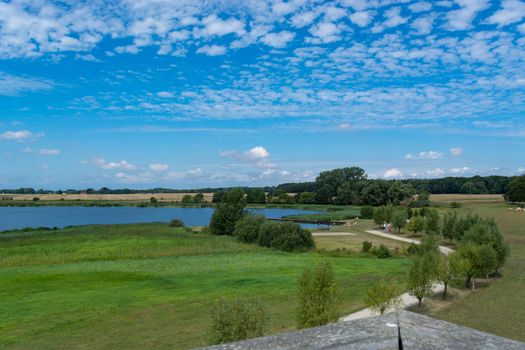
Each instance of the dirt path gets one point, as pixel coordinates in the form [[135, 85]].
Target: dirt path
[[442, 249], [406, 299]]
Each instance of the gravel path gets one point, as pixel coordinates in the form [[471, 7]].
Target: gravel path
[[406, 299]]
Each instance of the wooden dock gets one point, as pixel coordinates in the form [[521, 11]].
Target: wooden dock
[[313, 222]]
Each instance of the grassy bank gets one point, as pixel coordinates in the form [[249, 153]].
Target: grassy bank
[[500, 307], [149, 286]]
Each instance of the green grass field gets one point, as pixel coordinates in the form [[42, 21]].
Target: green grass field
[[149, 286], [500, 307]]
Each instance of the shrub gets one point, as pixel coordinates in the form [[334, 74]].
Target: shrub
[[247, 228], [186, 199], [153, 200], [383, 252], [413, 249], [382, 296], [455, 205], [367, 212], [35, 199], [318, 297], [176, 223], [285, 236], [237, 320], [367, 245]]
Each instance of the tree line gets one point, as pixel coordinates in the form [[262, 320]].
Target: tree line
[[345, 186]]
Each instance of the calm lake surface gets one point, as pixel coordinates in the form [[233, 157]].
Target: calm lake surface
[[20, 217]]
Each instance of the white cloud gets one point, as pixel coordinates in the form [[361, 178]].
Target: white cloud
[[460, 171], [326, 32], [48, 152], [362, 18], [158, 167], [424, 155], [278, 40], [106, 165], [21, 135], [344, 127], [421, 6], [423, 25], [214, 26], [303, 19], [394, 18], [11, 85], [212, 50], [462, 18], [456, 151], [164, 94], [393, 173], [435, 172], [256, 153], [512, 11]]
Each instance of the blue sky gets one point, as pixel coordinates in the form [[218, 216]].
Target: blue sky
[[195, 93]]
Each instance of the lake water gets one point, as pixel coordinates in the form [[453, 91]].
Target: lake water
[[20, 217]]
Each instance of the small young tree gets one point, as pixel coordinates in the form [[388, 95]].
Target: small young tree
[[432, 222], [487, 232], [416, 224], [381, 296], [421, 277], [480, 260], [237, 320], [399, 219], [448, 269], [449, 224], [318, 297]]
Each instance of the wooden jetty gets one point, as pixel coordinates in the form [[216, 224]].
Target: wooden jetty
[[314, 222]]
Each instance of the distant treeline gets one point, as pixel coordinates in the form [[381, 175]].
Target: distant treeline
[[339, 186]]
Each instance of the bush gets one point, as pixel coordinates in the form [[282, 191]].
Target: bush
[[285, 236], [383, 252], [247, 228], [176, 223], [318, 297], [153, 200], [455, 205], [413, 249], [367, 212], [237, 320], [367, 245], [35, 199]]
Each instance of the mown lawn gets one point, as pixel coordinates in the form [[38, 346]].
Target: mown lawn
[[149, 286], [500, 307]]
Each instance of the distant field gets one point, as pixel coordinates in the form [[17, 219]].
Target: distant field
[[471, 198], [162, 197], [150, 286]]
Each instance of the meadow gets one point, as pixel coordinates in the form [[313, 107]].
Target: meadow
[[498, 308], [150, 285]]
